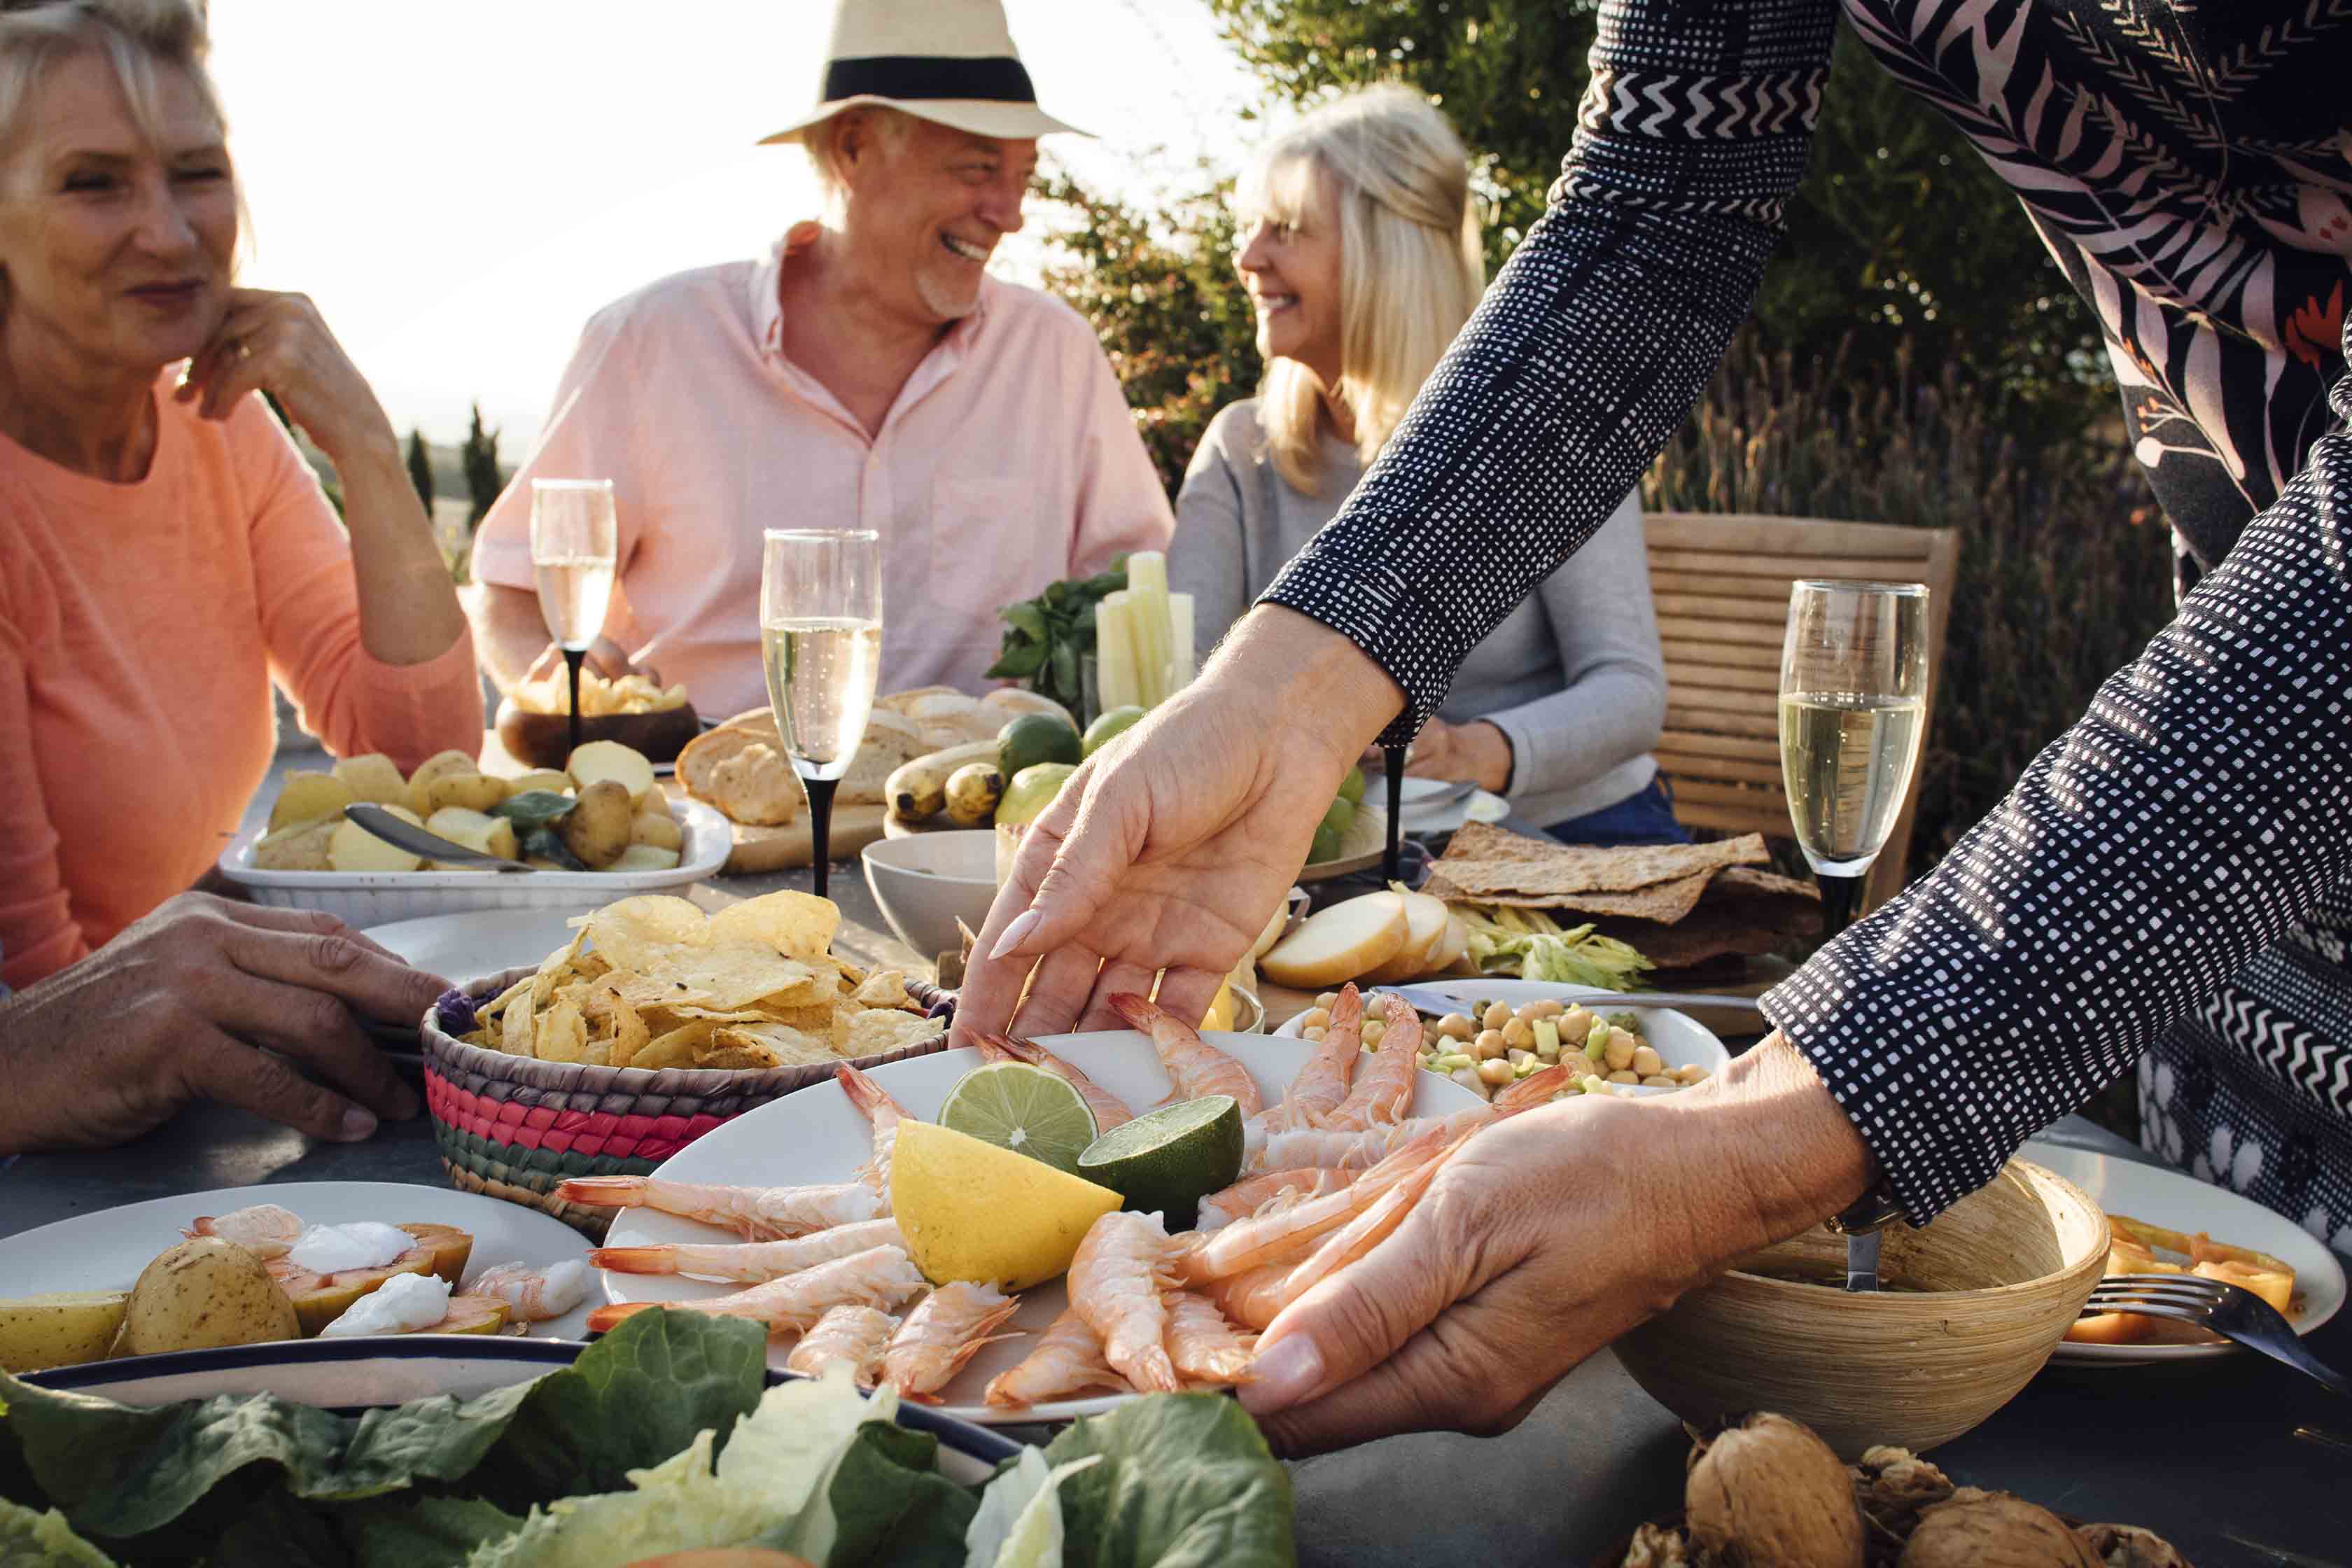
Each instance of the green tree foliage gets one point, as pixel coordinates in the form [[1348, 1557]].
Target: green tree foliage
[[480, 459], [420, 470]]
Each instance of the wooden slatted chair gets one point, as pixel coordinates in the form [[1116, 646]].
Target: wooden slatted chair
[[1721, 584]]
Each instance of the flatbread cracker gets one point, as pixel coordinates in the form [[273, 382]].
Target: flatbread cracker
[[1664, 902], [1745, 912], [1484, 861]]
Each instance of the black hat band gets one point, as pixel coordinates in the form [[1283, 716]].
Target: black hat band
[[917, 77]]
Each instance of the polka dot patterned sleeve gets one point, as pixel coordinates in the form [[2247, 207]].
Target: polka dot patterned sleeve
[[1590, 345], [2192, 817]]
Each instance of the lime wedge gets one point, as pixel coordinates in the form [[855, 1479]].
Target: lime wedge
[[1026, 1110], [1168, 1161]]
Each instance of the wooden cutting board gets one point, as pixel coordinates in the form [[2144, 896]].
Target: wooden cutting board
[[786, 847]]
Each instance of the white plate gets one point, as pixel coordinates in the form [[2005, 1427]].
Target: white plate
[[1679, 1039], [2177, 1202], [372, 898], [815, 1136], [1478, 805], [479, 942], [106, 1250]]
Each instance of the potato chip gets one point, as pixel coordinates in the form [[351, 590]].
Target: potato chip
[[736, 1050], [887, 988], [799, 925], [515, 1025], [563, 1035], [646, 934], [644, 990], [815, 1019], [883, 1029], [792, 1047], [552, 973], [497, 1005], [678, 1049], [630, 1034], [738, 974]]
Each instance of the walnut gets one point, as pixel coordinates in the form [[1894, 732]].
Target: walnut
[[1657, 1546], [1892, 1487], [1992, 1530], [2130, 1546], [1767, 1493]]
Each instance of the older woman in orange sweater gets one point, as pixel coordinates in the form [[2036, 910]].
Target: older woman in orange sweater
[[168, 554]]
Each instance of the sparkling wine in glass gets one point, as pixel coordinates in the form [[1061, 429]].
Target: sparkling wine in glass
[[1853, 694], [572, 534], [821, 632]]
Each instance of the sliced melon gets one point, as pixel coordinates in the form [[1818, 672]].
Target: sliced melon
[[449, 1245], [319, 1299], [1342, 942], [471, 1315], [1425, 920]]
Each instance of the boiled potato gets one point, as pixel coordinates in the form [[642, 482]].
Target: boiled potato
[[374, 777], [661, 832], [597, 828], [470, 790], [644, 858], [308, 798], [548, 779], [611, 760], [302, 848], [657, 803], [354, 848], [202, 1294], [58, 1331], [439, 765], [491, 834]]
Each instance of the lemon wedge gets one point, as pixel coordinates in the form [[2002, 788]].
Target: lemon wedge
[[972, 1211]]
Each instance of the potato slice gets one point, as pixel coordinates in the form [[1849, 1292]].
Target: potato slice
[[548, 779], [39, 1331], [354, 848], [1344, 942], [302, 848], [657, 803], [439, 765], [660, 832], [491, 834], [308, 798], [611, 760], [470, 790], [374, 777], [644, 858]]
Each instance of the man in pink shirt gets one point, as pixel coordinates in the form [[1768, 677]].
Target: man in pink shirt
[[869, 373]]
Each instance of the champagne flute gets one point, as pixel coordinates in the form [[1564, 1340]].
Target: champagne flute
[[821, 631], [571, 551], [1854, 699]]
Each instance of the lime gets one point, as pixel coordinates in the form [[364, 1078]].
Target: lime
[[1351, 788], [972, 1211], [1110, 726], [1026, 1110], [1031, 792], [1036, 738], [1169, 1160]]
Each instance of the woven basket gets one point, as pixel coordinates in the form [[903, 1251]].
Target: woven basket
[[516, 1127]]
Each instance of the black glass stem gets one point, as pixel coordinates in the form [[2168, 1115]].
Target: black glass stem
[[572, 658], [820, 799], [1840, 895], [1392, 860]]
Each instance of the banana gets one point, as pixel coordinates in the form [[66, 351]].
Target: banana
[[973, 791], [918, 789]]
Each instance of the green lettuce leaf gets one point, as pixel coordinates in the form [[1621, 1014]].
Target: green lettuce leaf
[[32, 1540], [1019, 1523], [421, 1533], [1185, 1482], [890, 1506]]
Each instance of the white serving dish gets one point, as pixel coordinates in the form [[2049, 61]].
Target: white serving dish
[[372, 898], [1478, 805], [816, 1136], [1679, 1039], [926, 882], [2179, 1202]]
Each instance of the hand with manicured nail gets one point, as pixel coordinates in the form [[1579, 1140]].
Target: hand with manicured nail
[[1545, 1238], [208, 999]]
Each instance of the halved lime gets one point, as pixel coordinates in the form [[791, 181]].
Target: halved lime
[[1026, 1110], [1168, 1161]]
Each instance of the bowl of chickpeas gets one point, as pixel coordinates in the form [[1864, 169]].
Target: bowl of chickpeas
[[1494, 1042]]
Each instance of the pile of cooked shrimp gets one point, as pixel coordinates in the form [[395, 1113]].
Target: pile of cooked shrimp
[[1332, 1170]]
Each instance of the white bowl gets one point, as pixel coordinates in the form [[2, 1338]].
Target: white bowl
[[927, 881], [364, 899]]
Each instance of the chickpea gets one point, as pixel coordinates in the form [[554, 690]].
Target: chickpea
[[1575, 1023], [1373, 1029], [1468, 1079], [1497, 1072], [1315, 1019], [1619, 1052], [1328, 1000], [1658, 1080], [1646, 1061], [1547, 1009], [1518, 1032], [1497, 1014], [1457, 1027], [1625, 1077], [1490, 1045]]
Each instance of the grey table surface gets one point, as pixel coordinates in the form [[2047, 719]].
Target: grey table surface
[[2234, 1461]]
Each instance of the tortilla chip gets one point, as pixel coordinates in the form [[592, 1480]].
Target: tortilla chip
[[886, 988], [1484, 861], [883, 1030]]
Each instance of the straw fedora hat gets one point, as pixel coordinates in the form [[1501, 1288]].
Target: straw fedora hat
[[947, 60]]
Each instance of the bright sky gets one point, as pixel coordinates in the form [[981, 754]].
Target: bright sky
[[459, 183]]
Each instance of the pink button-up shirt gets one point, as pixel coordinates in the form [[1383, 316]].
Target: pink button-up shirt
[[1008, 460]]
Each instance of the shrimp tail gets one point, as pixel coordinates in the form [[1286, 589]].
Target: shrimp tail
[[605, 1192], [605, 1319], [1138, 1012], [636, 1259]]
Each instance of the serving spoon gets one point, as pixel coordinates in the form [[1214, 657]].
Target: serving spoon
[[416, 840]]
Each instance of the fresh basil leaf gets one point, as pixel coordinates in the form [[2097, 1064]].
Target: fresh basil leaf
[[1026, 617], [892, 1507], [1017, 660], [534, 808], [1066, 674], [546, 844], [1186, 1481], [1058, 592]]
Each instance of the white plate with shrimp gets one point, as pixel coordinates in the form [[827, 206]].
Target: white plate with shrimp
[[106, 1250], [817, 1138]]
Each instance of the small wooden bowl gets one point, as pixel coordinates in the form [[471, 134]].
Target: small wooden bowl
[[1993, 1284], [544, 739]]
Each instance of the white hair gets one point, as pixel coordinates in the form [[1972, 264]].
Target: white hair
[[893, 128], [141, 40]]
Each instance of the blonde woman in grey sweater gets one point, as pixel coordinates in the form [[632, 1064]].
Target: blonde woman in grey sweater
[[1362, 255]]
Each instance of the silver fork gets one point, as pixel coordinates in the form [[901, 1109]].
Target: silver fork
[[2227, 1310]]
